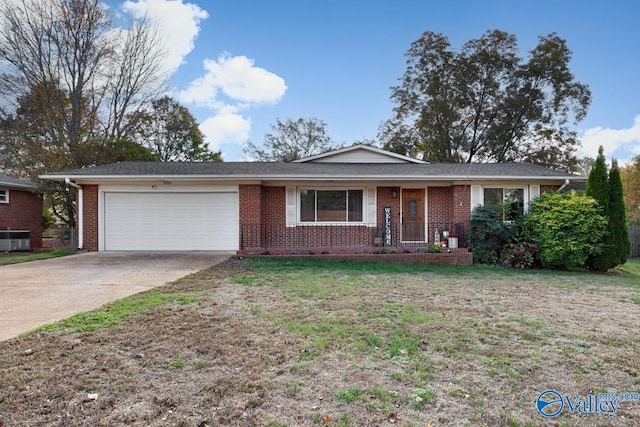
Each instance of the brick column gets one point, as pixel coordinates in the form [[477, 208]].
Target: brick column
[[461, 211], [250, 216], [385, 198], [439, 211], [90, 213]]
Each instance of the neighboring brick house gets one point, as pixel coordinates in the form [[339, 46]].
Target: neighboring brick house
[[348, 199], [21, 208]]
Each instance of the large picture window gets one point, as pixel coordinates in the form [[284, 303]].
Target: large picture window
[[510, 200], [4, 196], [331, 205]]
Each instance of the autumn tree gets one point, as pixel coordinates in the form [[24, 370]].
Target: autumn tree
[[630, 177], [291, 140], [486, 103], [171, 132], [72, 85]]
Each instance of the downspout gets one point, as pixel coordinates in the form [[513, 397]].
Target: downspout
[[80, 211], [566, 183]]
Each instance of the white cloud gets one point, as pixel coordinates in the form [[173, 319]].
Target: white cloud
[[241, 85], [237, 78], [620, 143], [228, 86], [177, 22], [226, 127]]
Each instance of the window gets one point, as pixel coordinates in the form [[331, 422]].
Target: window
[[331, 205], [4, 196], [511, 200]]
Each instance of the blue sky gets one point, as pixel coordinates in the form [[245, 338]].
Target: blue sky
[[238, 65]]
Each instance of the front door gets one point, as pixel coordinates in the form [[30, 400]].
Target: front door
[[413, 215]]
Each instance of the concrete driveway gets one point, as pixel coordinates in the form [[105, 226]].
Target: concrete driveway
[[40, 292]]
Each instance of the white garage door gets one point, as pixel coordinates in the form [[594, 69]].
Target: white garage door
[[171, 221]]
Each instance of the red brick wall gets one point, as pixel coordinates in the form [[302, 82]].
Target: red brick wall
[[23, 212], [545, 188], [275, 206], [263, 219], [269, 230], [454, 258], [385, 198], [438, 211], [460, 211], [251, 212], [90, 212]]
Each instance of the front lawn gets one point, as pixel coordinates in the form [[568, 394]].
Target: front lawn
[[286, 343], [7, 258]]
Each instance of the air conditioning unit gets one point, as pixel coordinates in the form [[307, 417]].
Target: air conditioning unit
[[15, 240]]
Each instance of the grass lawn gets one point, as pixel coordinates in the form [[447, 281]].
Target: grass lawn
[[17, 257], [286, 343]]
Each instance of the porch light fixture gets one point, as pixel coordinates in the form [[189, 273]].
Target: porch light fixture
[[394, 192]]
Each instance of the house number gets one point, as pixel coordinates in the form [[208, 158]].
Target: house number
[[166, 182]]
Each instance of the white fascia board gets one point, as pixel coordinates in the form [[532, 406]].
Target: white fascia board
[[256, 178], [358, 147]]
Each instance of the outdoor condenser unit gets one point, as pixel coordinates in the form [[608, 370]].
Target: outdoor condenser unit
[[15, 240]]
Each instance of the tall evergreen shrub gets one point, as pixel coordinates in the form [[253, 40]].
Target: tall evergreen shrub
[[618, 232], [598, 188]]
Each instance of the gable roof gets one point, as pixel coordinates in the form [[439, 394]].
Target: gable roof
[[359, 154], [313, 171], [10, 182]]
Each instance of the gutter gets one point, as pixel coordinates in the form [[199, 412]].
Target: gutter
[[565, 185], [18, 186], [80, 211], [315, 177]]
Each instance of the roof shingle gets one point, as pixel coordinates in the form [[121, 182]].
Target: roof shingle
[[266, 170], [8, 181]]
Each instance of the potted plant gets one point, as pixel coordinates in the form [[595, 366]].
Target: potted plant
[[453, 240]]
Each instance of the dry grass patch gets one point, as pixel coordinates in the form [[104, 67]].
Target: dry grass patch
[[284, 343]]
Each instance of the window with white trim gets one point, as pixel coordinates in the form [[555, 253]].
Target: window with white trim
[[331, 205], [4, 196], [509, 199]]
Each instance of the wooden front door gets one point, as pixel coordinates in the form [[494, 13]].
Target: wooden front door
[[413, 215]]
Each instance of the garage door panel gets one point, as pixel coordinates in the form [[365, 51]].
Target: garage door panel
[[171, 221]]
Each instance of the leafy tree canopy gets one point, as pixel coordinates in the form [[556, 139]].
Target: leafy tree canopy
[[486, 103], [291, 140], [72, 85], [171, 132], [630, 177]]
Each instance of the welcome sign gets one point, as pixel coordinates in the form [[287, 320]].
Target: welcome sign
[[388, 237]]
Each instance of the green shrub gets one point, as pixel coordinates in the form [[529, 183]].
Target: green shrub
[[488, 234], [47, 219], [519, 255], [567, 228], [435, 249]]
